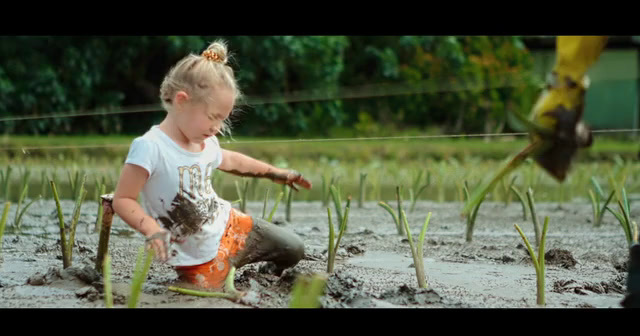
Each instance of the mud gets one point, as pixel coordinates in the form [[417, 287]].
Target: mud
[[585, 265]]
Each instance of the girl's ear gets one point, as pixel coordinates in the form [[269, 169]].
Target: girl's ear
[[181, 97]]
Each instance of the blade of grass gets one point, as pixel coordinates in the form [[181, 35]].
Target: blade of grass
[[108, 294], [330, 250], [3, 221], [264, 206], [275, 206], [522, 202], [393, 214], [63, 242], [140, 275]]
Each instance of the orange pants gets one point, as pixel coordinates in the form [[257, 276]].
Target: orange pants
[[212, 274]]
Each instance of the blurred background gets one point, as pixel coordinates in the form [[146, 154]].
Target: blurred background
[[76, 102]]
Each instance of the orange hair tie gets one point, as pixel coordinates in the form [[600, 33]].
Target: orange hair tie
[[212, 56]]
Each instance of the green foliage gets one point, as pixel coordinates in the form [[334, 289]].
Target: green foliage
[[297, 84]]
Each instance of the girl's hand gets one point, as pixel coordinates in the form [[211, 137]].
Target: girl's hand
[[159, 242], [291, 177]]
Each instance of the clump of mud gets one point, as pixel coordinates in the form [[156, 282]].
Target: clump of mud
[[560, 257], [604, 287], [343, 290], [87, 275], [407, 296]]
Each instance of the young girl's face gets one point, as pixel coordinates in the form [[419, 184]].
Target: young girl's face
[[200, 120]]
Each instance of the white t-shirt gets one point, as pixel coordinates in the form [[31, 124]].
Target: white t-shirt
[[179, 195]]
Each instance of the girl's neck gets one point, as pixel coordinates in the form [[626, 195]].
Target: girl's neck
[[171, 129]]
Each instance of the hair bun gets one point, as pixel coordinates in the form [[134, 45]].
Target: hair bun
[[216, 52]]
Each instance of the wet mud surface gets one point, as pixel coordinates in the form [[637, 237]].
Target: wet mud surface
[[585, 265]]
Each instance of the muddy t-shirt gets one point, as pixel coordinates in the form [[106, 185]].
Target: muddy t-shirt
[[179, 195]]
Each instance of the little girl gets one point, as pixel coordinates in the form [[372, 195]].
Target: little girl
[[184, 220]]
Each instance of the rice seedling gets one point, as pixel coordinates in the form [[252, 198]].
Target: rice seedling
[[534, 216], [334, 244], [108, 294], [264, 206], [242, 195], [623, 217], [3, 221], [230, 291], [538, 262], [307, 291], [326, 188], [595, 196], [18, 220], [67, 246], [275, 207], [337, 201], [471, 218], [73, 182], [43, 183], [101, 191], [363, 178], [506, 190], [417, 188], [417, 251], [143, 263], [523, 202], [289, 192], [5, 178], [396, 219]]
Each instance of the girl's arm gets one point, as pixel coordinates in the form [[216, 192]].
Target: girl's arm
[[243, 165], [125, 204]]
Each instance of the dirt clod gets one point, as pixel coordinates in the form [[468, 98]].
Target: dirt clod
[[406, 295], [354, 249], [560, 257]]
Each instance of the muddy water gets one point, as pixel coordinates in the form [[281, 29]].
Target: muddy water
[[373, 267]]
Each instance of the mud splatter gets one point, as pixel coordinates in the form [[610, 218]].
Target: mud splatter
[[560, 257], [586, 288], [406, 295], [187, 217]]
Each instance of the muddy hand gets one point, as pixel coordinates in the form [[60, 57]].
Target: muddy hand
[[159, 242], [291, 178]]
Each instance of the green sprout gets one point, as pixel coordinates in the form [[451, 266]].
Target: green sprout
[[522, 200], [5, 178], [275, 207], [264, 206], [101, 191], [326, 189], [595, 196], [67, 246], [471, 218], [242, 195], [143, 263], [363, 177], [3, 221], [396, 219], [108, 294], [337, 201], [335, 244], [623, 217], [534, 216], [287, 208], [307, 291], [417, 251], [416, 188], [538, 262]]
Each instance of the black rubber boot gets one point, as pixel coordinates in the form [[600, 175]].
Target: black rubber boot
[[632, 300]]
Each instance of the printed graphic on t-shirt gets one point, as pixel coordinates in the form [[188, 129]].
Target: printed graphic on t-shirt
[[188, 211]]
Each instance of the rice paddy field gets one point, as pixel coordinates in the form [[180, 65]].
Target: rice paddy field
[[479, 262]]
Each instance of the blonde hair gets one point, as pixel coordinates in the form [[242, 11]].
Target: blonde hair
[[197, 74]]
